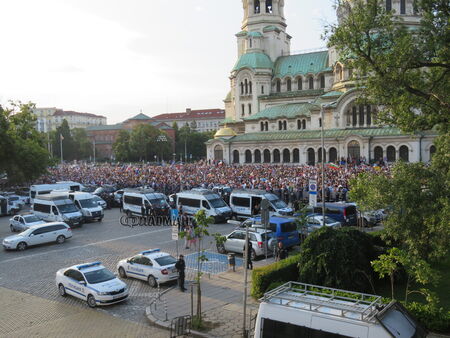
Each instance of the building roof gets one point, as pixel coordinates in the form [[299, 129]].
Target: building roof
[[315, 134], [193, 114], [225, 132], [271, 28], [296, 93], [253, 61], [333, 94], [60, 112], [255, 34], [117, 126], [301, 64], [289, 111], [140, 117]]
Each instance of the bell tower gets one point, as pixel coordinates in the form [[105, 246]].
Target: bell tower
[[261, 13]]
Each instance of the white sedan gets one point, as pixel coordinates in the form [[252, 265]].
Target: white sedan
[[314, 222], [91, 282], [23, 222], [153, 266]]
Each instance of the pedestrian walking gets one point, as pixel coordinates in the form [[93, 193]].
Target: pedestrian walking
[[249, 255], [180, 265], [281, 252]]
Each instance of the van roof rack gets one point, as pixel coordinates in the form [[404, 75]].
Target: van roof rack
[[140, 190], [251, 191], [200, 191], [340, 303], [51, 197]]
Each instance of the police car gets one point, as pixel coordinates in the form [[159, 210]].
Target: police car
[[91, 282], [153, 266]]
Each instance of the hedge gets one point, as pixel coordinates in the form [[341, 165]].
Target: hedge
[[432, 317], [279, 272]]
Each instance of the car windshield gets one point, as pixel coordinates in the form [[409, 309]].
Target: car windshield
[[88, 203], [96, 199], [67, 208], [267, 234], [165, 260], [217, 203], [31, 219], [98, 276], [26, 232], [278, 204], [329, 220]]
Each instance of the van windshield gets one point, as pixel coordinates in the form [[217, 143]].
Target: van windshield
[[217, 203], [278, 204], [67, 208], [88, 203], [158, 202]]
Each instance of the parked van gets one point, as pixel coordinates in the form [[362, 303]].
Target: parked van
[[135, 199], [53, 208], [301, 310], [38, 234], [85, 202], [342, 212], [284, 229], [6, 208], [203, 199], [44, 189], [243, 203]]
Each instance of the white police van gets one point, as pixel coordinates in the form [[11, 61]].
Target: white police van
[[53, 208], [44, 189], [136, 199], [91, 282], [244, 201], [85, 202], [203, 199], [303, 310], [153, 266]]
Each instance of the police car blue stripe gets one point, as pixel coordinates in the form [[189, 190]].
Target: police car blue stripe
[[89, 287], [81, 294], [135, 273]]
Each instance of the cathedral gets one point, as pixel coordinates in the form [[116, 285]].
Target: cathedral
[[280, 102]]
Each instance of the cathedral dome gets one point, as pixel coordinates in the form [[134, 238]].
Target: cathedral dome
[[225, 132]]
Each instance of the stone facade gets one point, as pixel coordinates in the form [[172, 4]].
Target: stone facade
[[279, 103], [49, 119], [199, 120]]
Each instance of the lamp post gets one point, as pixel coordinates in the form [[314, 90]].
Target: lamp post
[[323, 162], [161, 138]]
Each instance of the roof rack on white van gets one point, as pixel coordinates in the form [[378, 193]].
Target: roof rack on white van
[[140, 190], [200, 191], [251, 191], [341, 303]]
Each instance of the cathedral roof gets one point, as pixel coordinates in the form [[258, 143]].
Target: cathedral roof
[[301, 64], [289, 111], [253, 61], [140, 117]]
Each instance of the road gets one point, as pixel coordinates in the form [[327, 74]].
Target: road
[[33, 270]]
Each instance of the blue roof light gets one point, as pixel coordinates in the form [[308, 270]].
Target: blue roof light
[[150, 251], [89, 265]]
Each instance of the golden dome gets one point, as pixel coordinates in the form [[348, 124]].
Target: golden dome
[[225, 132]]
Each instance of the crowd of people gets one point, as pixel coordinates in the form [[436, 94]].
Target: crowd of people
[[288, 182]]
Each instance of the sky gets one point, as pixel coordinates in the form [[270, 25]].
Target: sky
[[118, 58]]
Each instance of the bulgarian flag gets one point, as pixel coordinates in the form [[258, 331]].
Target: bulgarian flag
[[333, 166]]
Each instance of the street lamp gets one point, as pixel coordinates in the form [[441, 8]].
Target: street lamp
[[161, 138]]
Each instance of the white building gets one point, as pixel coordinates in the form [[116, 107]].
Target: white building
[[273, 111], [49, 119], [199, 120]]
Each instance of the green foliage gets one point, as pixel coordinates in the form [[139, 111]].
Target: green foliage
[[23, 155], [121, 146], [279, 272], [337, 258], [191, 141], [431, 316]]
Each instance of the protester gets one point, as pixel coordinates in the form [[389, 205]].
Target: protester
[[249, 254], [281, 252]]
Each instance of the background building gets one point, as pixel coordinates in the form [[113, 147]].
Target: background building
[[49, 119], [274, 109], [198, 120], [104, 136]]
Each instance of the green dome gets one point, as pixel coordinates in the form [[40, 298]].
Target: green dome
[[253, 61]]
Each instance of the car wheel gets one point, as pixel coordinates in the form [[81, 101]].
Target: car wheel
[[122, 273], [221, 249], [12, 228], [152, 281], [21, 246], [62, 290], [60, 239], [100, 219], [91, 301]]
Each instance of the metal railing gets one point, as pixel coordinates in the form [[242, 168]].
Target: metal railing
[[348, 304]]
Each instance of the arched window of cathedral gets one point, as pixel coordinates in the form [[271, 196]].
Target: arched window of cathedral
[[404, 153], [320, 123], [246, 86], [257, 7], [299, 83], [242, 109], [267, 126], [354, 116], [280, 125], [250, 87], [289, 85], [311, 82], [322, 81], [361, 115], [269, 7], [402, 6], [250, 43], [389, 5], [390, 154], [369, 115], [284, 125], [278, 86], [299, 124], [249, 109], [432, 151], [257, 156], [262, 126], [242, 88], [262, 89]]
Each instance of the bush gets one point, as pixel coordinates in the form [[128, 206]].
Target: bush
[[280, 272], [430, 316], [338, 259]]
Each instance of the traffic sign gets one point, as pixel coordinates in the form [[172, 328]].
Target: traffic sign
[[175, 232], [313, 193]]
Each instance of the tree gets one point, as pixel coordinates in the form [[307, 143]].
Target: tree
[[83, 146], [337, 258], [23, 155], [121, 146], [192, 141], [68, 144]]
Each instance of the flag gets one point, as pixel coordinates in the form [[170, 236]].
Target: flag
[[333, 166]]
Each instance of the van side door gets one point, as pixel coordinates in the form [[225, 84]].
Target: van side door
[[55, 214], [207, 208]]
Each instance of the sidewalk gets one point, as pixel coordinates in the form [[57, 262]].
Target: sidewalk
[[222, 303], [25, 315]]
